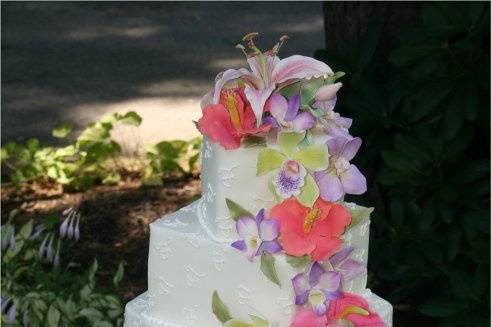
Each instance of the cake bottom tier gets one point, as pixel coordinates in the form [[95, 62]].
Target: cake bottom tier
[[136, 312]]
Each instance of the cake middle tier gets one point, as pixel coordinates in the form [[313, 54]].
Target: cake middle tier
[[185, 266]]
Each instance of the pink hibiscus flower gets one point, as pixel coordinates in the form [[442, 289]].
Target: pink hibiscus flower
[[315, 232], [230, 120]]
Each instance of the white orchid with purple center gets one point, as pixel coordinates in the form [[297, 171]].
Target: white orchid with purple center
[[268, 73], [258, 235], [285, 114], [341, 176], [340, 262], [318, 289], [290, 179]]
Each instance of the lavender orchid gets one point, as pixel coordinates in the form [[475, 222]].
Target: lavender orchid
[[341, 177], [346, 267], [258, 235], [319, 288], [332, 122], [285, 115], [268, 72]]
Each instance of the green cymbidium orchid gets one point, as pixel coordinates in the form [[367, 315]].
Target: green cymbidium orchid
[[293, 164]]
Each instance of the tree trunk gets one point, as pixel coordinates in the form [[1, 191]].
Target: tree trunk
[[346, 22]]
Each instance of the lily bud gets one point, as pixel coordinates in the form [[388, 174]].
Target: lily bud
[[327, 92]]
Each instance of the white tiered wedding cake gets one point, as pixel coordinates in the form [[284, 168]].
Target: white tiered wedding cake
[[271, 241]]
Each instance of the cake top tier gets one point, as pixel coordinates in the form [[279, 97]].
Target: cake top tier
[[285, 102]]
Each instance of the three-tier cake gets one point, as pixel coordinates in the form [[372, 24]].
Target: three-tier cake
[[271, 242]]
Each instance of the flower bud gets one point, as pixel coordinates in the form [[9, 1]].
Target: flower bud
[[327, 92]]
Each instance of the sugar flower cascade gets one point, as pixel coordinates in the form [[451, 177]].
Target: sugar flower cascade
[[285, 108]]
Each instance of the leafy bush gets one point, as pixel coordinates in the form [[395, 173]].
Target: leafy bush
[[39, 291], [424, 118], [91, 159], [167, 158]]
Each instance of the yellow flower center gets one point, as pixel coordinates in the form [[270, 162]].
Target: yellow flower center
[[310, 219], [254, 242], [231, 104], [352, 309]]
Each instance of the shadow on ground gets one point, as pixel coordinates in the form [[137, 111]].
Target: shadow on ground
[[61, 59]]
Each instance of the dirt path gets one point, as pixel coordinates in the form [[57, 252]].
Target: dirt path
[[78, 61]]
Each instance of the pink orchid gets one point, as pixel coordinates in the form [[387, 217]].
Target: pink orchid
[[347, 310], [268, 72], [353, 309]]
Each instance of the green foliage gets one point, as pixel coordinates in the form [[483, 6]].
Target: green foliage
[[92, 158], [424, 117], [171, 159], [53, 295]]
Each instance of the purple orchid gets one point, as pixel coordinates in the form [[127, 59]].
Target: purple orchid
[[258, 235], [332, 122], [285, 115], [290, 179], [319, 288], [341, 177], [267, 72], [346, 267]]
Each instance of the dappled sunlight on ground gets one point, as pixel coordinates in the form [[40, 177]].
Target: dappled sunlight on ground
[[162, 116], [79, 61]]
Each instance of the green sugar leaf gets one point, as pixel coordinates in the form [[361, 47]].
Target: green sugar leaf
[[236, 211], [298, 262], [219, 308], [268, 268]]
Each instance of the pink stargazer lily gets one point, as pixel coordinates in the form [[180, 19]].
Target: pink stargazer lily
[[268, 72]]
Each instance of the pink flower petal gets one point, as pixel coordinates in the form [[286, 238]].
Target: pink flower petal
[[257, 99], [216, 125], [307, 318], [295, 245], [325, 247], [327, 92], [298, 67], [226, 76]]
